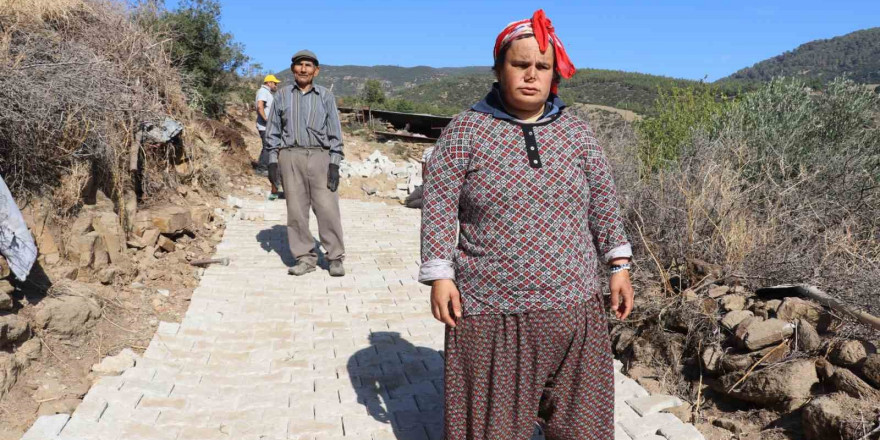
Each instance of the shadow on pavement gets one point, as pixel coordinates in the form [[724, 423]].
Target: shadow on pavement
[[274, 239], [400, 384]]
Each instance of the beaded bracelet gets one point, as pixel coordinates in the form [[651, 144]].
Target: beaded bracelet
[[620, 268]]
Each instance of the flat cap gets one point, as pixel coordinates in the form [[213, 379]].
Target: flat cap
[[304, 54]]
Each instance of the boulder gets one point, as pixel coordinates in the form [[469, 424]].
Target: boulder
[[69, 310], [106, 224], [108, 275], [66, 272], [10, 368], [808, 338], [6, 302], [141, 222], [91, 251], [740, 331], [621, 339], [831, 417], [739, 362], [732, 319], [85, 248], [732, 302], [172, 220], [774, 354], [736, 362], [871, 369], [166, 244], [101, 202], [773, 305], [101, 256], [718, 291], [851, 353], [12, 365], [791, 309], [824, 369], [765, 333], [846, 381], [116, 365], [762, 309], [29, 351], [783, 385], [82, 225], [46, 243], [13, 330], [129, 201], [711, 358], [201, 215], [150, 237]]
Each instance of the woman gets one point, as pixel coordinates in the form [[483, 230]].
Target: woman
[[517, 283]]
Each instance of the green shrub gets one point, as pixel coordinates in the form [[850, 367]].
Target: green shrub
[[789, 131], [373, 94], [679, 111], [208, 57], [782, 185]]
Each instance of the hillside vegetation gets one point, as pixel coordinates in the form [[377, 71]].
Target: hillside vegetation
[[856, 55], [625, 90]]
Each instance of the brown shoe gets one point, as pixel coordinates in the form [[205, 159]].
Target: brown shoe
[[301, 268], [336, 268]]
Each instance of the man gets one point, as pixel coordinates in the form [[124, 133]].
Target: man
[[415, 200], [305, 131], [264, 105]]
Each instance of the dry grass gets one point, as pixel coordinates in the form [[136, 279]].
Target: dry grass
[[40, 10], [725, 201], [77, 80], [738, 198]]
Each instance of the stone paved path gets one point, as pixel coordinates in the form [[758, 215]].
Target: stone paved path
[[264, 355]]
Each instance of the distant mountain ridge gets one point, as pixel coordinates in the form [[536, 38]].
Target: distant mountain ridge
[[451, 89], [624, 90], [856, 54], [348, 80]]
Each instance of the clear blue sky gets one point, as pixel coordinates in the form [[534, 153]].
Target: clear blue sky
[[686, 39]]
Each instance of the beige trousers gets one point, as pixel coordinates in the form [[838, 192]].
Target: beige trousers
[[304, 176]]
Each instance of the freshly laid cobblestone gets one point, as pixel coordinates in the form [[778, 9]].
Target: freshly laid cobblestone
[[264, 355]]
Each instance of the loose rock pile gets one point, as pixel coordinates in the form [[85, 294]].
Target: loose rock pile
[[782, 354], [95, 246], [407, 175]]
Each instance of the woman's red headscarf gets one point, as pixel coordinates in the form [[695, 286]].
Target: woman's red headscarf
[[541, 27]]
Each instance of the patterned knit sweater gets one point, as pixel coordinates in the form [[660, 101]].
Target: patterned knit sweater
[[516, 212]]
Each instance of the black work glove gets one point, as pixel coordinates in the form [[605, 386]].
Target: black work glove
[[333, 177]]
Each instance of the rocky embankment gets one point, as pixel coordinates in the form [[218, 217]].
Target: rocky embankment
[[783, 354]]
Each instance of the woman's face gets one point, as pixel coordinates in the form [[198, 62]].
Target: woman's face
[[526, 76]]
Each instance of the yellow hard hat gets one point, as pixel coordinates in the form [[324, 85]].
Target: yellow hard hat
[[271, 78]]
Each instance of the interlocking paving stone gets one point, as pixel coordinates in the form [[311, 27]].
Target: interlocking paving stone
[[261, 354]]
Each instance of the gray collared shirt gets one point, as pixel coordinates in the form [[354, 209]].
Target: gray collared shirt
[[305, 120]]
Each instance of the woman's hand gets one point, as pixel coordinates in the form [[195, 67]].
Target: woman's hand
[[446, 301], [621, 289]]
